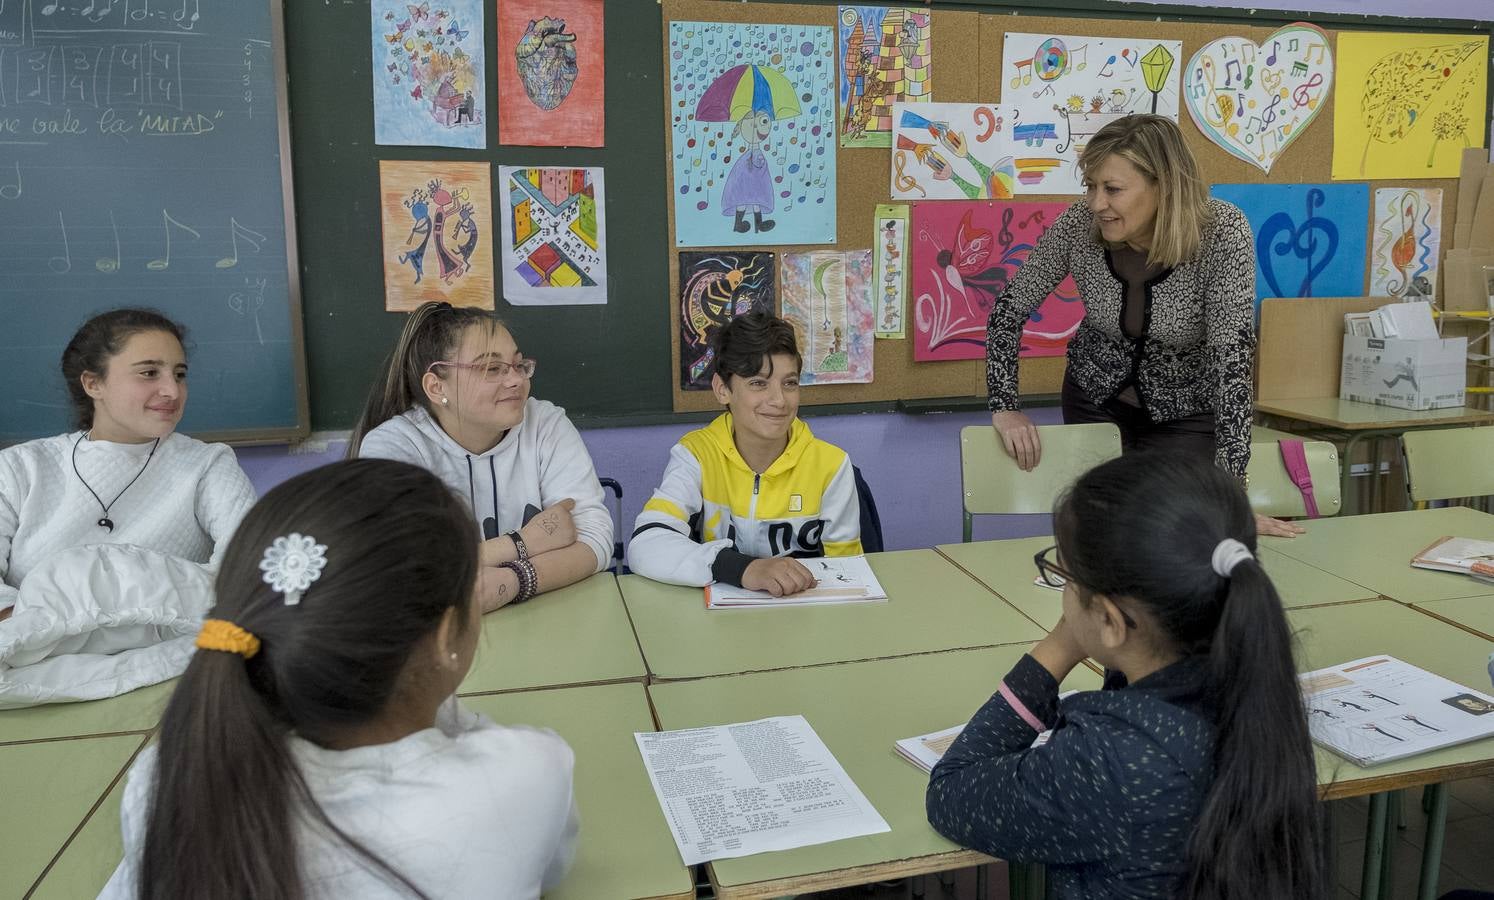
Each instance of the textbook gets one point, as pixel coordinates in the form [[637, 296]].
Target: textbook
[[838, 579], [1454, 554], [1379, 709], [925, 750]]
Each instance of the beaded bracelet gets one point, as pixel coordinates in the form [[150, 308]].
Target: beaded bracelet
[[528, 578]]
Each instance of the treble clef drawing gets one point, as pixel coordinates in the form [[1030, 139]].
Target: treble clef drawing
[[905, 182], [1005, 234], [1304, 241]]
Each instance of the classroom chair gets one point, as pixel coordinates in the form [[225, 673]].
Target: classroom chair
[[991, 483], [871, 521], [1445, 463], [1274, 492], [612, 485]]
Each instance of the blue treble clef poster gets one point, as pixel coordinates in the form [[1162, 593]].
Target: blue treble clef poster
[[1310, 239]]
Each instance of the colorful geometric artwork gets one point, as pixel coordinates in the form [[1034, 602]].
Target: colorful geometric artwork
[[716, 287], [1405, 243], [890, 248], [1254, 100], [951, 151], [827, 298], [438, 241], [752, 134], [964, 256], [1061, 89], [428, 75], [1408, 104], [554, 236], [550, 73], [884, 59], [1309, 238]]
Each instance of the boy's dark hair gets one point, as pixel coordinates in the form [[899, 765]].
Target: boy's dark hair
[[745, 343]]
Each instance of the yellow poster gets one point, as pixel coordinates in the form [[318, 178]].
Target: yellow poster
[[1406, 105]]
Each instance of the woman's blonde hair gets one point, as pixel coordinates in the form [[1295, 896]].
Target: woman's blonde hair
[[1154, 145]]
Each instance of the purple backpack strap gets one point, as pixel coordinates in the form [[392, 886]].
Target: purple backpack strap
[[1294, 457]]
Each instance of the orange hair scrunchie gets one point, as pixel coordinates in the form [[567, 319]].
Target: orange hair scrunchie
[[218, 634]]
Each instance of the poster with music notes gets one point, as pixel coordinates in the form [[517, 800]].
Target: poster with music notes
[[429, 80], [1309, 238], [964, 254], [951, 151], [1255, 100], [1405, 243], [1408, 104], [1062, 89], [437, 224]]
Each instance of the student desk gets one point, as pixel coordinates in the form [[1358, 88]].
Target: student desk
[[577, 635], [1006, 568], [625, 849], [858, 710], [932, 606], [1475, 614], [1375, 551], [137, 712]]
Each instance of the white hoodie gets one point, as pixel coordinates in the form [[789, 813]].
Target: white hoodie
[[540, 462]]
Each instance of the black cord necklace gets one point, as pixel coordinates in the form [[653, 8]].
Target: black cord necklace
[[104, 520]]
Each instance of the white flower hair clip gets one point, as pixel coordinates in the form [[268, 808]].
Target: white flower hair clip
[[291, 564]]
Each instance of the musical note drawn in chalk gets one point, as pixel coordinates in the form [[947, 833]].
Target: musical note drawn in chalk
[[12, 191], [157, 265], [64, 263], [49, 8], [105, 264], [235, 230], [249, 302], [181, 16]]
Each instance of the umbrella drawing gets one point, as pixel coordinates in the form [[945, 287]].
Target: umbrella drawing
[[753, 97]]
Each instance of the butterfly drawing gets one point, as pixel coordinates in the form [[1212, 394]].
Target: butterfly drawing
[[388, 17], [421, 12], [441, 14], [394, 67], [404, 26], [391, 38], [455, 33], [428, 47], [972, 247]]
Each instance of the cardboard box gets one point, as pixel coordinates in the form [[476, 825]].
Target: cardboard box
[[1425, 374]]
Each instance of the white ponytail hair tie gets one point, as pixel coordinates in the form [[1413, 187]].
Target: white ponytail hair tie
[[1228, 554]]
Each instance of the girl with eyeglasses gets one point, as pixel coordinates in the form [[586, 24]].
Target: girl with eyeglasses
[[1191, 773], [456, 400]]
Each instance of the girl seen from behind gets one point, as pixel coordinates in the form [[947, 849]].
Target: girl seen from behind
[[1191, 774], [313, 747]]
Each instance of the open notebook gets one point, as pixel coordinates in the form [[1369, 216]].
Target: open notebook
[[838, 579]]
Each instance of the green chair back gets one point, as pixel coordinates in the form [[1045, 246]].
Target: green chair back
[[991, 483], [1272, 492], [1449, 462]]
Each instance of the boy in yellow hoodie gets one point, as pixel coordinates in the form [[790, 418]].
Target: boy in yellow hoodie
[[754, 491]]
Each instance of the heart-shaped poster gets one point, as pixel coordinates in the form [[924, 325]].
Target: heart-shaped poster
[[1255, 100]]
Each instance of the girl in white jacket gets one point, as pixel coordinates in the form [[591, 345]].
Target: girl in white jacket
[[456, 401], [313, 748]]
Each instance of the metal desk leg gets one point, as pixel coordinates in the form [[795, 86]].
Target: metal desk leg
[[1431, 854], [1374, 848], [1392, 835]]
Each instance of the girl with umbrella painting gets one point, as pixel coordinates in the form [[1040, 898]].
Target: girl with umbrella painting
[[754, 98]]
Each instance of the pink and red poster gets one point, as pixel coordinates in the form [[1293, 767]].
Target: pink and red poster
[[550, 73], [964, 255]]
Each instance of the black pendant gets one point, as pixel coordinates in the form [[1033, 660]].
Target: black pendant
[[108, 523]]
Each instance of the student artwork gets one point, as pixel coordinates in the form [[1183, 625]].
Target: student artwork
[[753, 134], [716, 287], [1309, 238], [951, 151], [890, 249], [827, 298], [554, 236], [1061, 89], [550, 73], [428, 73], [884, 59], [1255, 100], [437, 239], [964, 255], [1407, 238]]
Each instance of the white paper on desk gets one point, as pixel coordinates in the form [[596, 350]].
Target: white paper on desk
[[925, 750], [838, 579], [1408, 321], [736, 790]]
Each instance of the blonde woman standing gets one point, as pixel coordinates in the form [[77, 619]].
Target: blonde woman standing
[[1167, 275]]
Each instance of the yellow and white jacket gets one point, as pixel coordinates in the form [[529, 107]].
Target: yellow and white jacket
[[713, 515]]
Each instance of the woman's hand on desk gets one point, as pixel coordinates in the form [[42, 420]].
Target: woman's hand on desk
[[1276, 527], [1019, 438]]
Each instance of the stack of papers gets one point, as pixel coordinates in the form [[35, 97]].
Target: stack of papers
[[1379, 709], [1411, 321], [1462, 555], [839, 579], [925, 750]]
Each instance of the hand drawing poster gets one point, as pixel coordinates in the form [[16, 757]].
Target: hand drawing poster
[[716, 287], [1061, 89], [1408, 104], [890, 250], [884, 58], [550, 73], [554, 236], [827, 298], [428, 75], [1309, 238], [1405, 243], [1255, 100], [964, 255], [438, 242], [951, 151], [752, 134]]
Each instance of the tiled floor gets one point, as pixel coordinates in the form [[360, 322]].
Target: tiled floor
[[1467, 856]]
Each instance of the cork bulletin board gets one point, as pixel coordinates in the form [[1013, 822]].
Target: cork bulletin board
[[966, 52]]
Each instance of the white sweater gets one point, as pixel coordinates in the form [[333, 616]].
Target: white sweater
[[186, 503], [540, 462], [465, 809]]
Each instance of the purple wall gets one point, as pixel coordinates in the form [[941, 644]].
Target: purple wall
[[911, 462], [1477, 10]]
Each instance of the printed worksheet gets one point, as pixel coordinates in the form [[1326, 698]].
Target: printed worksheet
[[837, 579]]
